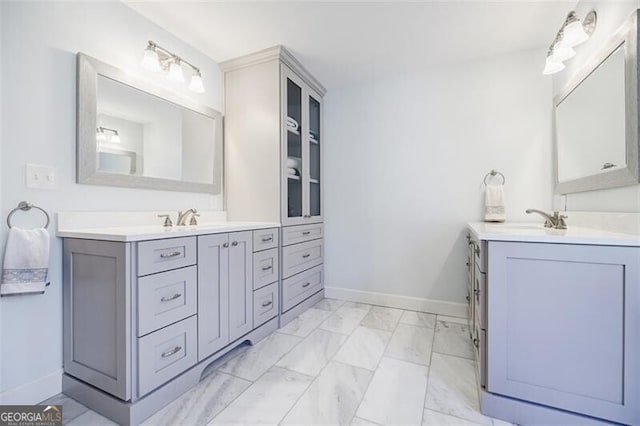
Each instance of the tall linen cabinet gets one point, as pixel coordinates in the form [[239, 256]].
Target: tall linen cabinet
[[273, 164]]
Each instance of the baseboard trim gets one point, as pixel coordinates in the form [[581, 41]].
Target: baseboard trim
[[397, 301], [35, 391]]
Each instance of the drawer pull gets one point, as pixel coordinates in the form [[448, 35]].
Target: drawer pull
[[266, 268], [225, 245], [476, 342], [304, 256], [173, 351], [266, 240], [306, 232], [305, 285], [267, 303], [172, 254], [170, 298], [235, 243]]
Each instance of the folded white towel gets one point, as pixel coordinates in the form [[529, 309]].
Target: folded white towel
[[293, 172], [494, 204], [26, 262]]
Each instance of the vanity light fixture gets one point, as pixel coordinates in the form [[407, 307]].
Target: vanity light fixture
[[157, 58], [572, 33], [102, 137]]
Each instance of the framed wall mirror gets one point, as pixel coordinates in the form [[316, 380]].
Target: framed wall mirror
[[596, 119], [134, 134]]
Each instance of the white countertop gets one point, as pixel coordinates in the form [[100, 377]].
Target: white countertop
[[537, 233], [156, 232]]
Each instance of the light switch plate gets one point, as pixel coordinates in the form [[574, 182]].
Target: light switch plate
[[41, 177]]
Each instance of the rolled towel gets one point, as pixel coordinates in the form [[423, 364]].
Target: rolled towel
[[293, 162], [494, 204], [292, 123], [26, 262], [292, 172]]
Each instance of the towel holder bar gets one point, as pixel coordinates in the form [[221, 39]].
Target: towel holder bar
[[493, 173], [25, 206]]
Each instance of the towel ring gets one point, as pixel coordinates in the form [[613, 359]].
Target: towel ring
[[493, 173], [25, 206]]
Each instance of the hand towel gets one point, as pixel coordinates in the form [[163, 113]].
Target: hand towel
[[494, 204], [26, 262], [292, 172]]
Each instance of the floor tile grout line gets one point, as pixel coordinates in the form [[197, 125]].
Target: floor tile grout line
[[426, 391], [364, 394]]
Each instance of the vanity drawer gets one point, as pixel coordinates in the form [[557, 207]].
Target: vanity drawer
[[301, 286], [265, 304], [301, 233], [300, 257], [480, 255], [264, 239], [166, 298], [163, 255], [479, 294], [265, 268], [166, 353]]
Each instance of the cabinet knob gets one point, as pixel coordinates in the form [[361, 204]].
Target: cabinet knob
[[225, 245], [468, 298], [476, 342], [235, 243]]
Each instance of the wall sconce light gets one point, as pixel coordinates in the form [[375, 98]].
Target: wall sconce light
[[572, 33], [101, 136], [158, 59]]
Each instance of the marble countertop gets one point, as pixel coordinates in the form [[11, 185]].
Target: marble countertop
[[537, 233], [157, 232]]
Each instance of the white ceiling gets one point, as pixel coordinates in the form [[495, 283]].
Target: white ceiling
[[343, 42]]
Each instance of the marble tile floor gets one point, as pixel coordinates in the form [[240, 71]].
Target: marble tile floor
[[337, 363]]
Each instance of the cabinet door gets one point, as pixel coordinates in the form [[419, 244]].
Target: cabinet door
[[563, 327], [313, 157], [213, 293], [294, 127], [240, 284]]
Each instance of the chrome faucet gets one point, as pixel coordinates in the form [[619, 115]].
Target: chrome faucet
[[555, 221], [182, 217]]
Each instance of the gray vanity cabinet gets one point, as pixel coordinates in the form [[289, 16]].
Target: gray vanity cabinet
[[564, 327], [225, 290]]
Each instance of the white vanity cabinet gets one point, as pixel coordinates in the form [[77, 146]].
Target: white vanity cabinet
[[557, 328], [274, 140], [142, 319]]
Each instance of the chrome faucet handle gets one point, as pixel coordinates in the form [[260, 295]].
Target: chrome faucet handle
[[194, 220], [167, 220], [560, 220]]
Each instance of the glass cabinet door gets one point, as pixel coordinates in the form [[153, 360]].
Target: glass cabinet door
[[295, 166], [315, 169]]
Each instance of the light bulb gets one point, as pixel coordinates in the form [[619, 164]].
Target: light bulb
[[175, 72], [196, 83], [115, 138], [150, 60], [562, 53], [552, 67], [574, 34]]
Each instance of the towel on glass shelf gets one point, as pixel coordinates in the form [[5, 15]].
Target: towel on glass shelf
[[292, 123], [494, 204], [26, 262]]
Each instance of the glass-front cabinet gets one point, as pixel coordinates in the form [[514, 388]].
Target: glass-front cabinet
[[302, 132]]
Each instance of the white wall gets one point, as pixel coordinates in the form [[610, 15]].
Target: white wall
[[39, 44], [405, 163], [611, 15]]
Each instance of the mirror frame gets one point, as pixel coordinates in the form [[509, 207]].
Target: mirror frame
[[627, 37], [86, 156]]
